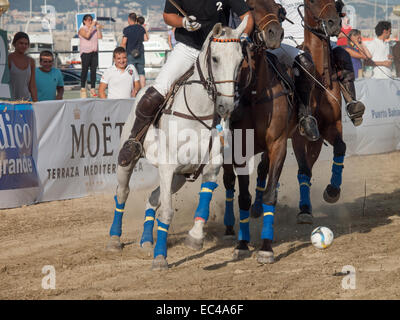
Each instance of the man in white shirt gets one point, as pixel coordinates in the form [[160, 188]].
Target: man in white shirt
[[380, 50], [122, 80]]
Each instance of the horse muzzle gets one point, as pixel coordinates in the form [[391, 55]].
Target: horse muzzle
[[273, 36], [331, 26]]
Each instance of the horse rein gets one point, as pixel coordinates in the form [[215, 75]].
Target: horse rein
[[209, 85]]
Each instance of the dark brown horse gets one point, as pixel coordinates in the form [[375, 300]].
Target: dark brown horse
[[321, 20], [264, 109]]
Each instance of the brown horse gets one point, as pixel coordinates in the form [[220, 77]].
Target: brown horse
[[321, 20], [264, 109]]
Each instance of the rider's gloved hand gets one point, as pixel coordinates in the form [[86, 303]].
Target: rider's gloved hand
[[245, 38], [191, 25]]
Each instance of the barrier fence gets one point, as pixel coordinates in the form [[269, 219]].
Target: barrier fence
[[68, 149]]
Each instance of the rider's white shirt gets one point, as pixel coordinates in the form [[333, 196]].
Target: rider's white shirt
[[293, 30]]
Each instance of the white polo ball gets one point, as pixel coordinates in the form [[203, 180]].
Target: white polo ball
[[322, 237]]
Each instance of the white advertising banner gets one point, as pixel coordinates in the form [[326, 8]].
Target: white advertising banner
[[77, 150], [380, 130], [75, 143]]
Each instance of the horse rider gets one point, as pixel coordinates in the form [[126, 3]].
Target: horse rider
[[290, 55], [191, 32], [287, 54]]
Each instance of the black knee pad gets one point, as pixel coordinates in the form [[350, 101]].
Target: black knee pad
[[306, 61], [149, 104], [347, 76]]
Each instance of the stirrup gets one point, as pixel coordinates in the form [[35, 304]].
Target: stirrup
[[130, 151], [313, 136]]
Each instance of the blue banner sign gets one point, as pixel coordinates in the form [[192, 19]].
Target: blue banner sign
[[17, 166]]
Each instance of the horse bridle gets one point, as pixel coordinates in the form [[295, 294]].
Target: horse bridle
[[209, 84], [267, 22], [316, 18], [260, 26]]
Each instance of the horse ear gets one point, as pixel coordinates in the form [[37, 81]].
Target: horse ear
[[217, 30], [239, 30]]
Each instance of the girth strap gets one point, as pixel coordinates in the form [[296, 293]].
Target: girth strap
[[186, 116], [266, 98]]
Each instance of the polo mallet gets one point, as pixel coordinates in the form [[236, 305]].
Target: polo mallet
[[180, 10]]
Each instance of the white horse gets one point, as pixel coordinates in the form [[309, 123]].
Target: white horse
[[216, 69]]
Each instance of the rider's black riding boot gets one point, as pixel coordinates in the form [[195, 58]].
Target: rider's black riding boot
[[355, 109], [343, 63], [304, 84], [146, 109]]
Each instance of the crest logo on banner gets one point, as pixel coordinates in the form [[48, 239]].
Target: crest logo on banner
[[19, 181], [17, 166]]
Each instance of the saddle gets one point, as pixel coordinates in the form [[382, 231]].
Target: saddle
[[169, 99], [283, 76]]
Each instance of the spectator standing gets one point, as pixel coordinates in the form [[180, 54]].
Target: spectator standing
[[121, 79], [357, 50], [49, 80], [132, 41], [89, 34], [380, 50], [22, 70], [171, 37]]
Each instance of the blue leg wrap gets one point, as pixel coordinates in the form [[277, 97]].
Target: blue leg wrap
[[337, 169], [229, 217], [244, 231], [203, 209], [305, 184], [260, 191], [116, 227], [268, 222], [149, 217], [162, 234]]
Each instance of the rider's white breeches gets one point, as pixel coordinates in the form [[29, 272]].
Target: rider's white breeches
[[179, 61]]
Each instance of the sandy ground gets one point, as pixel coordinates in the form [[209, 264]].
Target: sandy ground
[[71, 236]]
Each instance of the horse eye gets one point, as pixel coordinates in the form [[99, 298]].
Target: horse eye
[[215, 59]]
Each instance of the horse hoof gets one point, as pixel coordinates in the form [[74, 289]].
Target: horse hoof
[[114, 245], [193, 243], [256, 211], [265, 257], [146, 250], [229, 233], [240, 254], [304, 218], [159, 263], [331, 194]]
